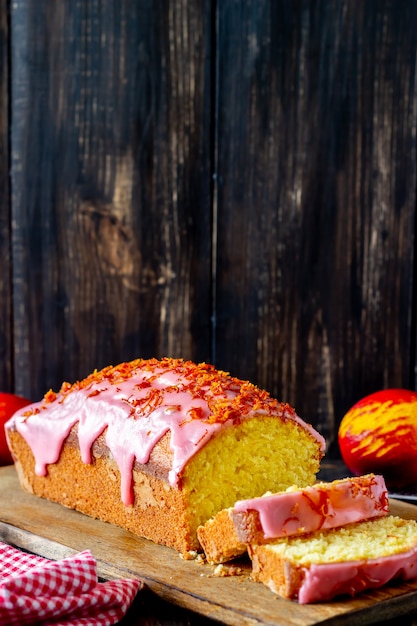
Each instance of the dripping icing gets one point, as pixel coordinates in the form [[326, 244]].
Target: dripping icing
[[135, 404]]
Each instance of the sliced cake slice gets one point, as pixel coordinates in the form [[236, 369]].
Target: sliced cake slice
[[295, 511], [340, 561]]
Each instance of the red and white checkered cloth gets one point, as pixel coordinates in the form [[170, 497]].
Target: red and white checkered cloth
[[35, 590]]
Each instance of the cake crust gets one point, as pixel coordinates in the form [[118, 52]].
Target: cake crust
[[219, 540], [94, 489]]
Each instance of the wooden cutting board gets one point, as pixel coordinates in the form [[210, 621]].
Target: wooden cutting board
[[53, 531]]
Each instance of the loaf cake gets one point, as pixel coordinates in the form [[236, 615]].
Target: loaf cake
[[344, 561], [292, 512], [160, 446]]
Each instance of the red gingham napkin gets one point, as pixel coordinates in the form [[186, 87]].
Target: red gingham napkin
[[35, 590]]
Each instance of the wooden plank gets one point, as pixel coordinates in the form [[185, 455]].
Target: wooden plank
[[314, 208], [316, 181], [6, 381], [53, 531], [111, 185]]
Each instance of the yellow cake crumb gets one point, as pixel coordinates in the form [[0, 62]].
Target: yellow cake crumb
[[367, 540]]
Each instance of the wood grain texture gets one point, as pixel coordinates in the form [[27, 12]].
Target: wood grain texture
[[6, 354], [225, 181], [316, 199], [111, 185]]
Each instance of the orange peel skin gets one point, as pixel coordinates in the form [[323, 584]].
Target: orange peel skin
[[379, 434]]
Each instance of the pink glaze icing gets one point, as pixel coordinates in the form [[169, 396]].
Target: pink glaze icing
[[137, 403], [320, 506], [325, 581]]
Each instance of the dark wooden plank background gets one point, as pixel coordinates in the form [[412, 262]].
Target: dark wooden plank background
[[227, 181], [316, 206], [6, 332]]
